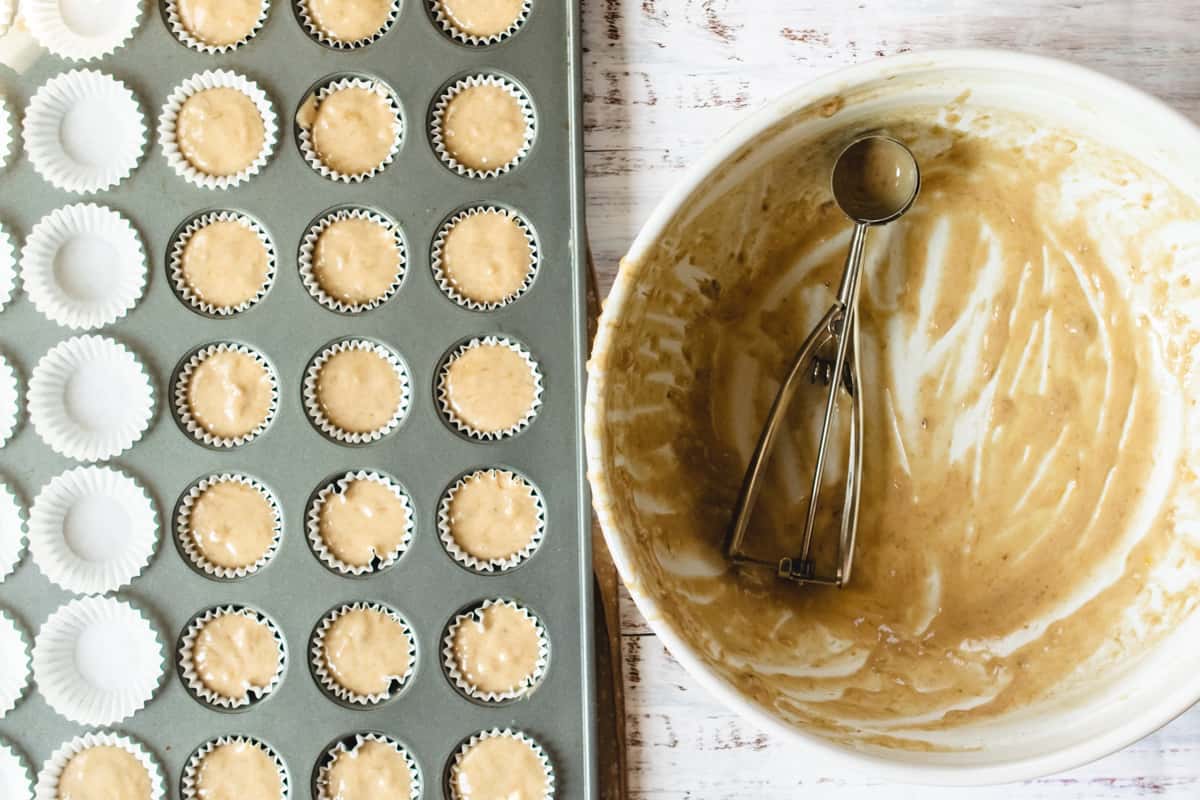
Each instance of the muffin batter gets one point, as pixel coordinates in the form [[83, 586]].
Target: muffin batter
[[229, 394], [370, 771], [219, 22], [493, 515], [366, 651], [104, 772], [363, 523], [219, 131], [497, 649], [232, 525], [359, 391], [235, 653], [238, 771], [484, 128], [482, 18], [499, 767], [349, 21], [353, 129], [356, 260], [224, 263], [486, 256], [490, 388]]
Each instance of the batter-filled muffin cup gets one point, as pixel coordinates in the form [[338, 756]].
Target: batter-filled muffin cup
[[16, 778], [92, 530], [504, 763], [356, 391], [491, 520], [231, 657], [8, 267], [489, 388], [60, 127], [496, 652], [73, 30], [226, 394], [347, 24], [479, 22], [228, 526], [12, 530], [363, 654], [111, 398], [235, 767], [349, 129], [221, 263], [10, 408], [217, 129], [215, 26], [100, 764], [352, 259], [367, 759], [15, 666], [483, 125], [485, 257], [360, 523]]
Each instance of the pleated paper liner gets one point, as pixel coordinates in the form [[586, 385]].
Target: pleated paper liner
[[178, 26], [10, 407], [82, 32], [463, 684], [312, 400], [443, 14], [465, 427], [6, 118], [12, 530], [181, 404], [179, 243], [348, 745], [446, 284], [328, 681], [51, 772], [492, 565], [188, 785], [14, 662], [188, 673], [8, 267], [186, 541], [340, 484], [16, 778], [311, 25], [437, 121], [455, 769], [318, 95], [308, 250]]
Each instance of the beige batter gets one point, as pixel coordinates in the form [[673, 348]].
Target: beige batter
[[224, 263], [235, 653], [493, 515], [349, 20], [1018, 464], [359, 390], [353, 129], [487, 257], [366, 650], [356, 260], [238, 771], [229, 394], [232, 524], [219, 131], [482, 18], [103, 772], [484, 128], [490, 388], [370, 771], [219, 22], [499, 768], [364, 522], [496, 650]]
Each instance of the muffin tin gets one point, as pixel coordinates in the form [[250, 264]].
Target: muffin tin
[[425, 453]]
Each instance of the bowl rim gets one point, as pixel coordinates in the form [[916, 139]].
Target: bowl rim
[[1138, 104]]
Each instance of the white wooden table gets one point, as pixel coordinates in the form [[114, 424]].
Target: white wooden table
[[663, 78]]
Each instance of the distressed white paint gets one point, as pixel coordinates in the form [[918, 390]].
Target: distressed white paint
[[663, 78]]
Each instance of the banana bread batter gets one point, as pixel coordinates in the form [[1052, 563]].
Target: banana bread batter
[[499, 767], [238, 771], [487, 257], [356, 260], [219, 22], [484, 127], [359, 390], [482, 18], [232, 524], [363, 522], [353, 129], [372, 770], [104, 772], [219, 131], [229, 394], [490, 387], [349, 20], [224, 263], [235, 653], [497, 649], [366, 651], [493, 515]]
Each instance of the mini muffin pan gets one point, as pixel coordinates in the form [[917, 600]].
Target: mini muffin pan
[[424, 453]]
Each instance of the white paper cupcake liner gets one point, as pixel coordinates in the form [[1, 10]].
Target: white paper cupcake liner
[[304, 135], [10, 405], [191, 771], [6, 121], [330, 684], [90, 398], [439, 113], [16, 779], [316, 34], [97, 660], [92, 530], [8, 267], [180, 242], [213, 79], [51, 772], [338, 485], [180, 31], [492, 565], [312, 402], [183, 526], [437, 9], [340, 747], [183, 409], [14, 663], [60, 271], [450, 663], [443, 281], [309, 244], [521, 736], [187, 666], [76, 35], [8, 14], [12, 531], [443, 395], [84, 131]]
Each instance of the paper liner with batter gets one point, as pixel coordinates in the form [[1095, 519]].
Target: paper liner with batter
[[521, 736], [340, 484], [443, 394], [191, 771], [443, 280], [318, 35], [51, 771], [329, 684], [446, 23], [187, 666], [438, 114], [312, 400], [330, 755], [308, 248], [492, 565], [183, 521], [475, 614], [375, 86], [182, 409], [185, 36], [179, 243]]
